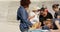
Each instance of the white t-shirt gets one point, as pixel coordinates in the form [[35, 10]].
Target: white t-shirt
[[35, 19]]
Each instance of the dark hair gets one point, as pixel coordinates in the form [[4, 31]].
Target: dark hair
[[59, 9], [42, 9], [55, 5], [25, 3]]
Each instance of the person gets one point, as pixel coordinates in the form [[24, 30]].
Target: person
[[47, 24], [44, 14], [36, 26], [57, 14], [22, 15], [34, 17], [56, 9], [57, 23]]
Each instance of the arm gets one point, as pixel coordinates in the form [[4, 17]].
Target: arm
[[24, 17], [18, 17], [40, 18], [30, 17], [57, 23]]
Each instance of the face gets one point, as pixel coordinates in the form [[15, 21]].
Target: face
[[45, 13], [55, 9], [41, 12], [49, 24]]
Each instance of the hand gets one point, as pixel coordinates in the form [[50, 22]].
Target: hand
[[31, 17], [57, 23], [58, 17]]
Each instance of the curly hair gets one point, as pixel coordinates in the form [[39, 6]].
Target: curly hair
[[25, 3]]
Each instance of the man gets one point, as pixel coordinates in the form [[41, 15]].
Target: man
[[56, 9], [23, 15], [47, 25], [56, 15], [44, 15]]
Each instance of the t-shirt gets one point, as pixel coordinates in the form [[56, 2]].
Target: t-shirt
[[35, 19], [41, 18], [49, 16], [57, 14]]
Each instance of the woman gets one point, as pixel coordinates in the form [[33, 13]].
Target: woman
[[34, 18], [23, 15]]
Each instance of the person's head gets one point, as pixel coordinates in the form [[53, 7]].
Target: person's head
[[48, 23], [55, 7], [35, 9], [43, 11], [25, 3]]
